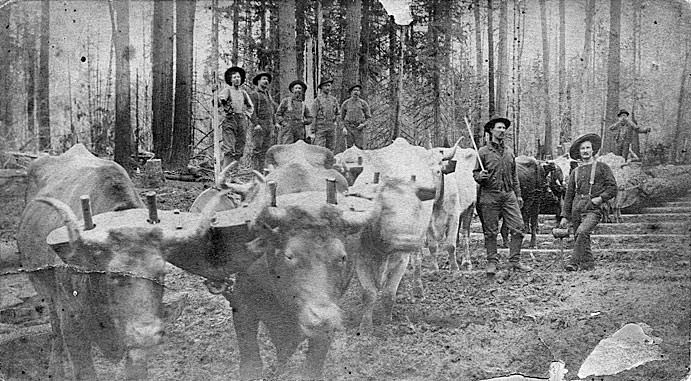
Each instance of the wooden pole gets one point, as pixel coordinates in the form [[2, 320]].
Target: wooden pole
[[470, 131], [217, 132]]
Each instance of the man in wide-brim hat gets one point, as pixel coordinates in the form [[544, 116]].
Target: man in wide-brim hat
[[499, 195], [326, 114], [590, 185], [238, 108], [263, 120], [355, 112], [293, 115], [622, 132]]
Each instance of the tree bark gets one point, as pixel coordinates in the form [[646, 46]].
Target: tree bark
[[393, 76], [30, 79], [363, 64], [43, 87], [300, 38], [501, 60], [587, 52], [547, 145], [478, 134], [678, 154], [5, 78], [235, 53], [286, 42], [564, 117], [162, 85], [490, 59], [613, 69], [123, 127], [352, 46], [184, 65], [433, 43]]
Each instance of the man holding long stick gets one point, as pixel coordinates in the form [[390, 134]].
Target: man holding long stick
[[499, 195]]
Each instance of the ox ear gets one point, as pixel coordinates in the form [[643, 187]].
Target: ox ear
[[65, 241], [425, 193]]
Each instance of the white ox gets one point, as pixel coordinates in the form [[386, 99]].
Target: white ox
[[409, 178], [454, 210]]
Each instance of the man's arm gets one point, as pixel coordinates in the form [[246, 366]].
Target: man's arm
[[254, 118], [307, 116], [609, 183], [366, 110], [343, 109], [479, 175], [280, 112], [514, 179], [248, 104], [568, 197]]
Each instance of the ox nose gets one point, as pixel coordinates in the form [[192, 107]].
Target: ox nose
[[320, 318], [142, 334]]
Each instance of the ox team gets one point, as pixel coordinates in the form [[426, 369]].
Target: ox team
[[299, 254]]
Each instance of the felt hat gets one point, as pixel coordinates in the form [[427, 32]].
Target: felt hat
[[490, 125], [622, 111], [259, 76], [595, 139], [235, 69], [297, 82], [350, 90]]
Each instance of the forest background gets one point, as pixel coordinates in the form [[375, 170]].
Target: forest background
[[125, 76]]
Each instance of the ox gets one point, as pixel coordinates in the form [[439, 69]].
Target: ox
[[290, 260], [104, 287], [406, 202], [454, 208]]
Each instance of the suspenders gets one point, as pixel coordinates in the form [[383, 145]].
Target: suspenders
[[592, 178]]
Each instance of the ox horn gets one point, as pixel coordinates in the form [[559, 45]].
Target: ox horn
[[68, 217], [450, 153], [226, 171], [209, 211]]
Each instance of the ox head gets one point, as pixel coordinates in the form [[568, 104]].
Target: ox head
[[303, 242], [127, 255]]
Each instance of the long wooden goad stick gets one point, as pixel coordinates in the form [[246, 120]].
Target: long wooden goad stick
[[217, 133], [472, 139]]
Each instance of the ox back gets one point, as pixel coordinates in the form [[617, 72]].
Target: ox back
[[77, 301]]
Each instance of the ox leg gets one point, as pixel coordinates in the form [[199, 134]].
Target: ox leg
[[79, 353], [418, 287], [246, 324], [464, 234], [366, 270], [533, 228], [135, 365], [45, 285], [316, 356], [286, 338], [396, 266], [453, 261]]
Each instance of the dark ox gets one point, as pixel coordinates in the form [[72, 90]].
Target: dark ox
[[105, 288], [388, 241], [290, 260], [539, 183]]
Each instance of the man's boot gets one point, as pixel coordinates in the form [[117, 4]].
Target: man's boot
[[515, 254], [492, 256]]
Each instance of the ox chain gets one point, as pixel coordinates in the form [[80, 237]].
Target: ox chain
[[80, 270]]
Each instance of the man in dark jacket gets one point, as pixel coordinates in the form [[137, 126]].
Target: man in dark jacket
[[590, 185], [623, 131], [499, 196], [263, 119], [292, 115]]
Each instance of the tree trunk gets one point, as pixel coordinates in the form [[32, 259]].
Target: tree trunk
[[564, 117], [501, 58], [352, 46], [490, 59], [393, 76], [363, 64], [286, 42], [678, 154], [300, 39], [5, 78], [30, 79], [162, 85], [478, 133], [433, 43], [585, 89], [184, 65], [517, 127], [123, 127], [235, 53], [319, 42], [43, 87], [547, 146], [636, 68], [613, 68]]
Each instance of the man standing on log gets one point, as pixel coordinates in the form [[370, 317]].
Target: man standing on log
[[355, 112], [590, 185], [623, 131], [263, 119], [499, 196], [238, 108], [326, 114], [292, 115]]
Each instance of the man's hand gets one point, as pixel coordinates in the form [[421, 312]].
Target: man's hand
[[520, 202], [597, 201], [647, 130], [258, 128], [361, 126], [483, 175], [345, 131], [563, 223]]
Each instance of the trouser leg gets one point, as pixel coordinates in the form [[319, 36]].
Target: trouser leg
[[582, 248], [489, 205], [514, 221]]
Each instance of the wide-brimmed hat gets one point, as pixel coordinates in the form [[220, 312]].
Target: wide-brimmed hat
[[622, 111], [235, 69], [258, 76], [490, 125], [350, 90], [324, 81], [297, 82], [595, 139]]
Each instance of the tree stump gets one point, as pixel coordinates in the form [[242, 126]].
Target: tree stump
[[153, 174]]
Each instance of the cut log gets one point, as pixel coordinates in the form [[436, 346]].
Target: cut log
[[153, 174]]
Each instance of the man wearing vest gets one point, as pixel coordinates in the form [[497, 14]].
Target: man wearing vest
[[499, 196], [263, 119], [292, 114], [237, 107], [325, 113], [590, 185], [355, 112]]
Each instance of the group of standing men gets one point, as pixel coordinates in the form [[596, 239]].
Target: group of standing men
[[286, 122], [590, 185]]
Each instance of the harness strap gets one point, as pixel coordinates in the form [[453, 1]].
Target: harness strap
[[591, 181]]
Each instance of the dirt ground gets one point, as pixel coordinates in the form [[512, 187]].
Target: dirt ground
[[468, 326]]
